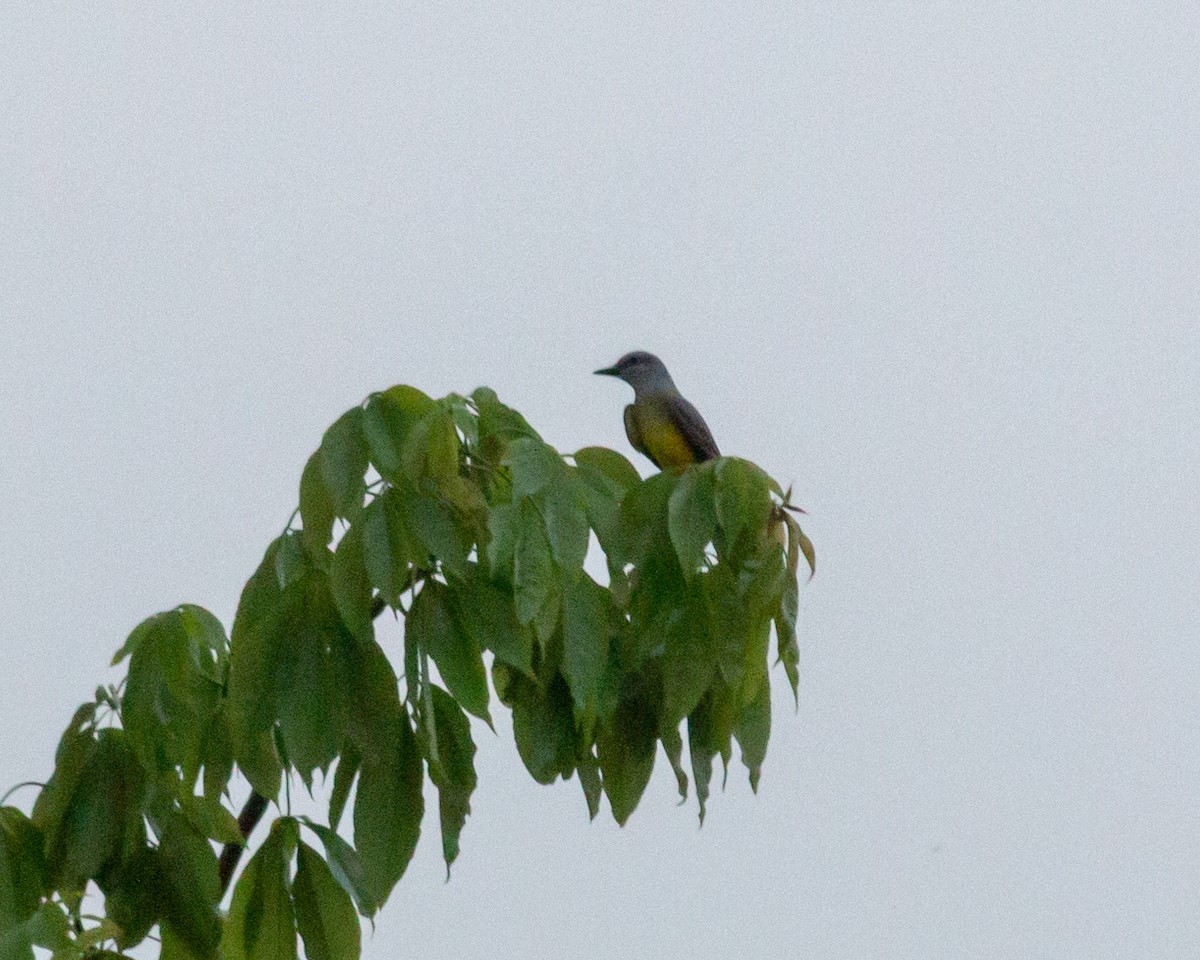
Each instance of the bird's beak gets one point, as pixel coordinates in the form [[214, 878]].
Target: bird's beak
[[608, 372]]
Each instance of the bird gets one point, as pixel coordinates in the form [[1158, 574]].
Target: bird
[[660, 423]]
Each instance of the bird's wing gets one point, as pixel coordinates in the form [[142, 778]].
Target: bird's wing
[[695, 431], [635, 435]]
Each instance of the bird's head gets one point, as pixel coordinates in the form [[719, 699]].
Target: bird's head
[[641, 370]]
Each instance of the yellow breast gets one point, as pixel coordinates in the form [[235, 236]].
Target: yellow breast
[[664, 443]]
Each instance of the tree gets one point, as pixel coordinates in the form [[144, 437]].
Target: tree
[[458, 516]]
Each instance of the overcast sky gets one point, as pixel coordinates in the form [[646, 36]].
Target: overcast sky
[[936, 264]]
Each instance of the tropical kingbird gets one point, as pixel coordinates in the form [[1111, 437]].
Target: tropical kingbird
[[660, 423]]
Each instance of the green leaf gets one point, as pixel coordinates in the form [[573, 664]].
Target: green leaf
[[90, 811], [350, 584], [544, 728], [673, 747], [692, 517], [504, 529], [388, 807], [293, 559], [602, 462], [254, 653], [742, 498], [643, 528], [388, 420], [689, 657], [588, 625], [343, 779], [499, 421], [311, 675], [753, 730], [316, 505], [344, 455], [174, 688], [431, 449], [454, 774], [211, 819], [189, 888], [217, 753], [262, 920], [567, 525], [48, 927], [785, 633], [535, 466], [604, 478], [534, 576], [626, 745], [388, 547], [710, 726], [375, 711], [133, 896], [486, 613], [324, 912], [345, 866], [589, 779], [22, 868], [433, 527], [432, 627]]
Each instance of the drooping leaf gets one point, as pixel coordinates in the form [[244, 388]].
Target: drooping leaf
[[534, 576], [350, 584], [262, 921], [133, 896], [567, 526], [316, 505], [753, 730], [324, 913], [388, 807], [625, 745], [673, 747], [22, 868], [743, 501], [785, 635], [689, 656], [389, 549], [544, 728], [344, 454], [432, 627], [311, 675], [454, 773], [189, 888], [251, 706], [589, 779], [343, 779], [210, 819], [692, 516], [375, 711], [346, 867], [588, 625], [710, 726], [485, 611]]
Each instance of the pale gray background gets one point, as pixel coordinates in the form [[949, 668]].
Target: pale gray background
[[936, 263]]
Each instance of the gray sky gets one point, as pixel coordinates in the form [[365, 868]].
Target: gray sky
[[936, 263]]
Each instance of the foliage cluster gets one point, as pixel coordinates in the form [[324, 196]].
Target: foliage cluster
[[458, 516]]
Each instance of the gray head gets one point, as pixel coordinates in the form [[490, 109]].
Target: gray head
[[643, 371]]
